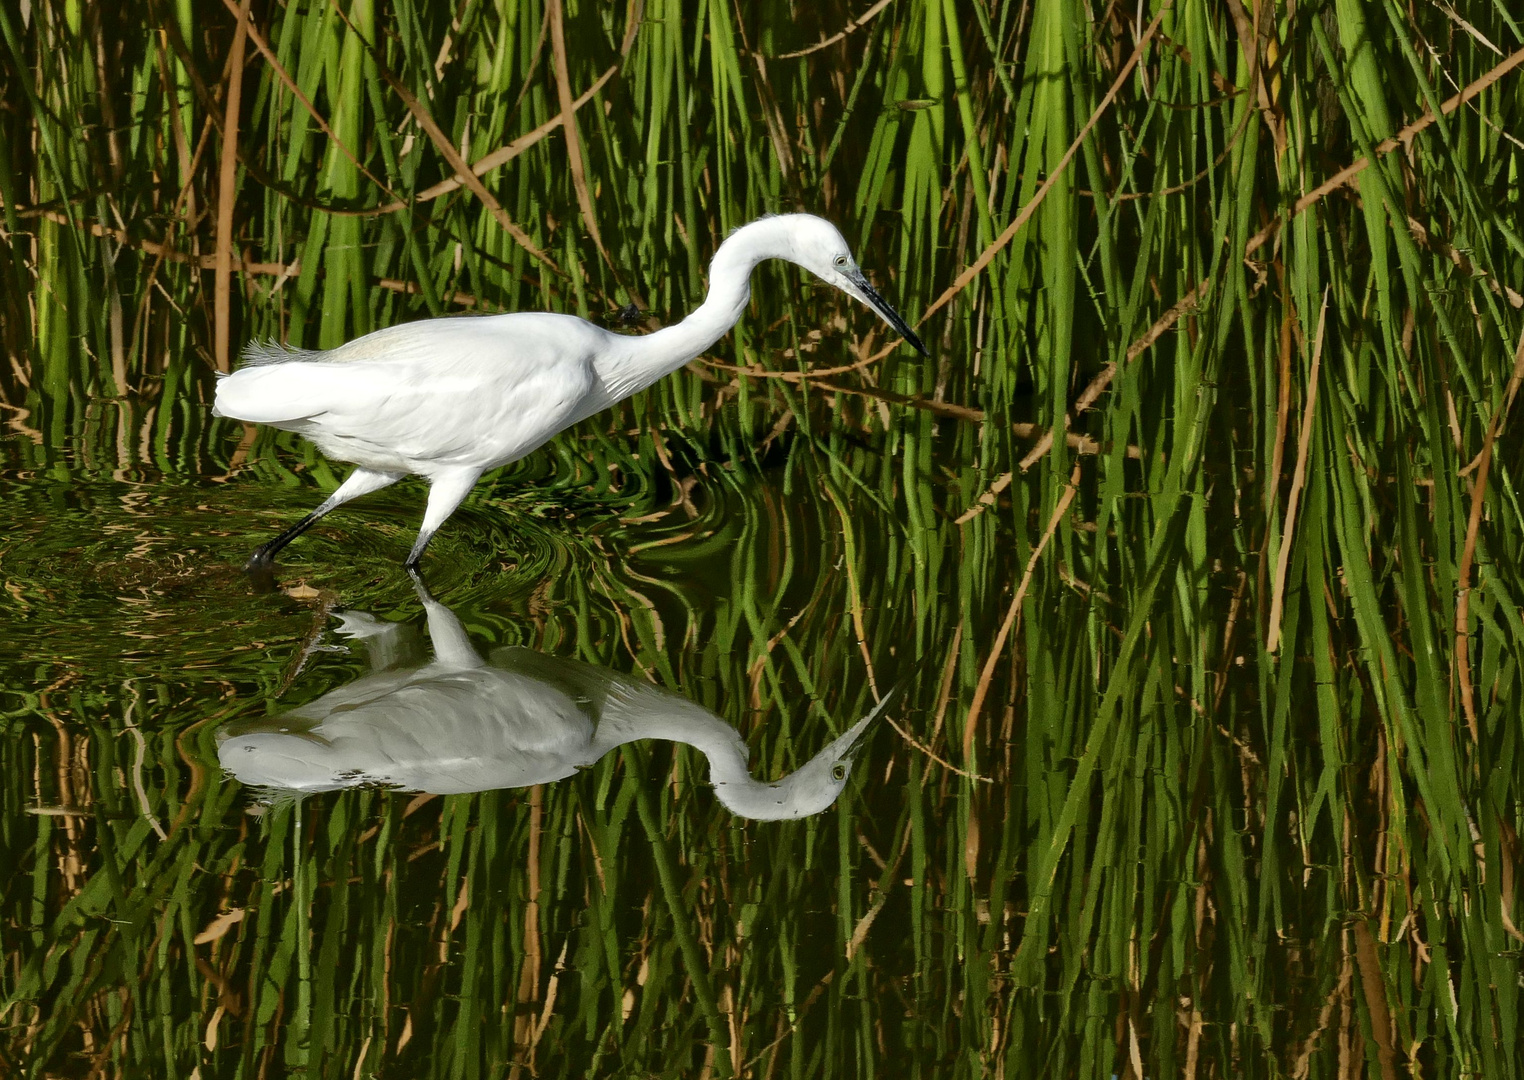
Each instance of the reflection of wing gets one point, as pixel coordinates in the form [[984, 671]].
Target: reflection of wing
[[458, 724], [431, 729], [579, 682], [626, 708]]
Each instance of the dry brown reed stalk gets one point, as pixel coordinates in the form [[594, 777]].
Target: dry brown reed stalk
[[986, 256], [227, 182], [1403, 138], [1298, 478], [1468, 552], [987, 672]]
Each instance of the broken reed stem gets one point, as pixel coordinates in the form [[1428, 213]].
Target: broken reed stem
[[562, 68], [1386, 146], [852, 25], [1376, 1007], [446, 148], [929, 752], [503, 154], [463, 171], [247, 24], [1103, 379]]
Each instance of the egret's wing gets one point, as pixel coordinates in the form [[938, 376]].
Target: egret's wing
[[467, 391]]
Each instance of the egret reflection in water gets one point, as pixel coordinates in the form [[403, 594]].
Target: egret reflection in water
[[462, 723]]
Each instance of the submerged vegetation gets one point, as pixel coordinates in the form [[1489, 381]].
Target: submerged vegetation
[[1196, 546]]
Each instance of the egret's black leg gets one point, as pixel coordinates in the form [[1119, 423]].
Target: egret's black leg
[[360, 482], [264, 555]]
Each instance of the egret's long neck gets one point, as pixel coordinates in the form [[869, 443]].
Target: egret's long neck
[[646, 359], [630, 714], [632, 711]]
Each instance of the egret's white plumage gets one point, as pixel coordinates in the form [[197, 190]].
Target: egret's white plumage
[[447, 399]]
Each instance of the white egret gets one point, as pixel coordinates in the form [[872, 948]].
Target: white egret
[[459, 723], [449, 398]]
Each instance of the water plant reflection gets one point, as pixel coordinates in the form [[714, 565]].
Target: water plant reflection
[[462, 723]]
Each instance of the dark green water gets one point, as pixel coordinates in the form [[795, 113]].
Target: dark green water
[[162, 918]]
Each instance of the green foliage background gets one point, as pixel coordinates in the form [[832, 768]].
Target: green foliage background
[[1196, 545]]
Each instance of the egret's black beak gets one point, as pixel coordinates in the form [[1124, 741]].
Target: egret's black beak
[[887, 313]]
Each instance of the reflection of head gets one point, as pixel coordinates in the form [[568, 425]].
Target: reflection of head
[[809, 790]]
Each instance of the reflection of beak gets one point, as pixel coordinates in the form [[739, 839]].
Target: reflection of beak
[[870, 296], [857, 734]]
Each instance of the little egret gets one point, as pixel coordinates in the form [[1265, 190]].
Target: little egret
[[449, 398], [460, 723]]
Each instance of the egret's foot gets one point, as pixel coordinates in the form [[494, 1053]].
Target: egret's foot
[[418, 586], [413, 564], [261, 571]]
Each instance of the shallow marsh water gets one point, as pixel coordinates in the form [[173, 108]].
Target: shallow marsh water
[[621, 916]]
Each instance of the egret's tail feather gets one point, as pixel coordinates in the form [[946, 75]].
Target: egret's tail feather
[[261, 353]]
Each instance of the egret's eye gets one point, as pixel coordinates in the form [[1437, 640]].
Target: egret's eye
[[842, 261], [839, 773]]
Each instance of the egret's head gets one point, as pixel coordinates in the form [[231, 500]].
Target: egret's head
[[819, 247]]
